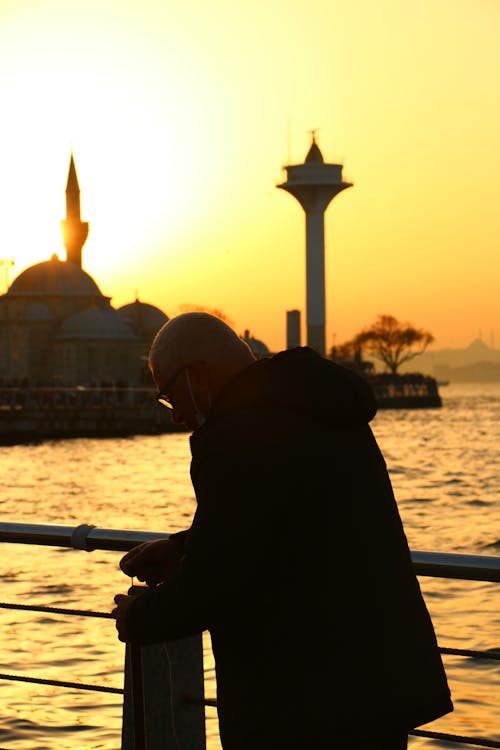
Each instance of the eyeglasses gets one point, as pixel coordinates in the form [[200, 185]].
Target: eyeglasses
[[165, 400]]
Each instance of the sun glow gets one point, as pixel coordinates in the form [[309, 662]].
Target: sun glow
[[181, 115], [92, 92]]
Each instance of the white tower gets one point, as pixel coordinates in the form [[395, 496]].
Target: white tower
[[314, 184]]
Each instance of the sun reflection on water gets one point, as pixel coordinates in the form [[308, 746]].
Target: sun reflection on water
[[445, 470]]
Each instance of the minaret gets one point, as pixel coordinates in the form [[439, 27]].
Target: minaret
[[74, 230], [314, 184]]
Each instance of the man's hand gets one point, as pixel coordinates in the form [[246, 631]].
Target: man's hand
[[153, 562], [122, 602]]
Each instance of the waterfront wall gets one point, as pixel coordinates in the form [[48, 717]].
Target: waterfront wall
[[40, 413]]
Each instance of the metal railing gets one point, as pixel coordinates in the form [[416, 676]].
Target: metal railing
[[180, 681], [84, 536], [88, 537]]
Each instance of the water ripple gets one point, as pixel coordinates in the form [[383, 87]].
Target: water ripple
[[445, 469]]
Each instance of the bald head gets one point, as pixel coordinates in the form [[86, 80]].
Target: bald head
[[197, 338]]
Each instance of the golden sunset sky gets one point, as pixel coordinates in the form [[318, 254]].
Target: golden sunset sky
[[181, 116]]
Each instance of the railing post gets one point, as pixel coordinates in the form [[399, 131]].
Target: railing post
[[168, 679]]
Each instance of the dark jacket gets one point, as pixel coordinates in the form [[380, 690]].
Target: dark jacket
[[297, 563]]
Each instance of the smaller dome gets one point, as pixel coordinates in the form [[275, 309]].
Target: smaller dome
[[145, 320], [258, 347], [95, 323], [314, 155]]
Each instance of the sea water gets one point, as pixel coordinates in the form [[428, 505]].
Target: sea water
[[444, 465]]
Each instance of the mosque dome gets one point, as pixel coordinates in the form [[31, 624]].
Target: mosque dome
[[314, 155], [96, 323], [258, 347], [55, 277], [145, 320]]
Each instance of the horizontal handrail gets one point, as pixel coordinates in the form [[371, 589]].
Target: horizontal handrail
[[88, 537], [452, 565], [84, 536]]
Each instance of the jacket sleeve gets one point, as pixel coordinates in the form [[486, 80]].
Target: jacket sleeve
[[227, 548]]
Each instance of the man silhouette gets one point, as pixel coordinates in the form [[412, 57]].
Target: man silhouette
[[296, 560]]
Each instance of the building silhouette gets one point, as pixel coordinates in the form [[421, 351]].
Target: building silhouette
[[314, 184], [57, 328]]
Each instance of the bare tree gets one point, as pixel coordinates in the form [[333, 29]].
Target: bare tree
[[186, 307], [393, 342]]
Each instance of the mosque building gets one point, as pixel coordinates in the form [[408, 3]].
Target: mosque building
[[57, 328]]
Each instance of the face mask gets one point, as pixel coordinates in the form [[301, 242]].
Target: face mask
[[198, 415]]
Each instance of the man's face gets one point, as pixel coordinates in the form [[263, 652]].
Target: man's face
[[176, 389]]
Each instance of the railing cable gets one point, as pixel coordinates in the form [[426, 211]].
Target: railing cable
[[60, 683], [489, 655], [461, 739], [56, 610]]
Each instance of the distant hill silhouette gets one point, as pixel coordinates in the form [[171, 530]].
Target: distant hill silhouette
[[477, 362]]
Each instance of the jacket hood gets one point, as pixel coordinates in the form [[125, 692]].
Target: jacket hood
[[300, 379]]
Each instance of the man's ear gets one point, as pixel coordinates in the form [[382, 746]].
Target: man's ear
[[203, 377]]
